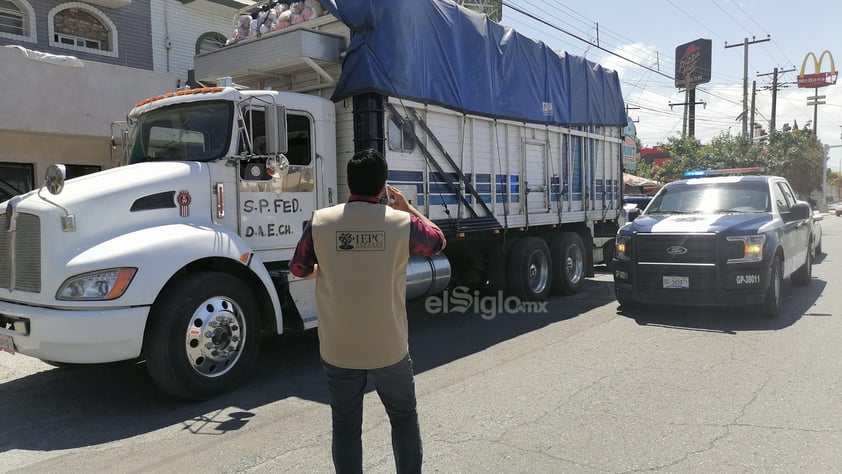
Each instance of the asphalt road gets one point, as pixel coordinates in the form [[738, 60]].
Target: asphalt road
[[581, 388]]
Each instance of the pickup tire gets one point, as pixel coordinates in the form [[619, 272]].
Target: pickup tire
[[528, 269], [803, 275], [773, 300], [203, 335], [568, 254]]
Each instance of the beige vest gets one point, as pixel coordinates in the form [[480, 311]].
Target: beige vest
[[362, 251]]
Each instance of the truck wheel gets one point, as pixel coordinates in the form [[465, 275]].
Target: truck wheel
[[568, 253], [803, 275], [773, 300], [528, 269], [203, 336]]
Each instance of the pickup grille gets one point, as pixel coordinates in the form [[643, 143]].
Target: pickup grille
[[696, 248], [27, 252]]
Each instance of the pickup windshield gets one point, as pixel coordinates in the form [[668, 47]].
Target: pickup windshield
[[198, 131], [711, 198]]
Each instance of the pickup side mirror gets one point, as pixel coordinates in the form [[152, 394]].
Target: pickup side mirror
[[800, 211], [276, 129]]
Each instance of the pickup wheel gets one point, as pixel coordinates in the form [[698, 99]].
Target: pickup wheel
[[568, 254], [773, 301], [803, 275], [528, 269], [203, 336]]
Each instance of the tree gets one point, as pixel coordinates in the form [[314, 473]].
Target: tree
[[794, 154], [799, 157]]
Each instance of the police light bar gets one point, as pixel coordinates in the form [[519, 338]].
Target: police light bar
[[724, 172]]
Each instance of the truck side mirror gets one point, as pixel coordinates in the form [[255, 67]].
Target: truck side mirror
[[276, 129]]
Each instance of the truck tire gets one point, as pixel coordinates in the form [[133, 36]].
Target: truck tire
[[568, 254], [773, 301], [528, 269], [803, 275], [203, 336]]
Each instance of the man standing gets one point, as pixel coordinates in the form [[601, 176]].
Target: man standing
[[358, 253]]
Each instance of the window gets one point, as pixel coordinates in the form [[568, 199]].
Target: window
[[74, 171], [298, 140], [81, 27], [17, 20], [401, 138], [780, 197], [299, 151], [209, 42], [16, 178]]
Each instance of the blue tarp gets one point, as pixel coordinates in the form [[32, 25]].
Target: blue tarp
[[436, 52]]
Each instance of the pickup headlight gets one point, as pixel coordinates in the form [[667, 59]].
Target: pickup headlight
[[621, 247], [752, 248], [101, 285]]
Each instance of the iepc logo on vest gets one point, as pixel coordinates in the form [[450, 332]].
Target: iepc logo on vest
[[361, 240]]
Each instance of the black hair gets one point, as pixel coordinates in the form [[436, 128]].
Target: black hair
[[367, 172]]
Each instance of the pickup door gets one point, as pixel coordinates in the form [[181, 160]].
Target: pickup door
[[796, 232]]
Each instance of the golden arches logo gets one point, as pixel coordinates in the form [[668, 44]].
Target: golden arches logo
[[818, 78]]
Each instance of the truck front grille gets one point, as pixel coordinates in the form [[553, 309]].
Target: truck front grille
[[27, 256], [676, 248]]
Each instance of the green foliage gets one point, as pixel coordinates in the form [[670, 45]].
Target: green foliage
[[795, 154]]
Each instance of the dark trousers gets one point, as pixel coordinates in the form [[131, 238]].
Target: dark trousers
[[396, 387]]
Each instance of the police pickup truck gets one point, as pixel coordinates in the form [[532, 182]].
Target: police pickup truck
[[724, 240]]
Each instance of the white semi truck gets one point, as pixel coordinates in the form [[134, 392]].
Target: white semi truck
[[180, 256]]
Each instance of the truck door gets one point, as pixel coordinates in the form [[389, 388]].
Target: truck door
[[274, 210], [535, 164]]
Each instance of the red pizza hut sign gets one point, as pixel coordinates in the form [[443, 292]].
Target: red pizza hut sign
[[817, 78]]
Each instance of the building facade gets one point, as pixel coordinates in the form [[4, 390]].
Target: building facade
[[71, 69]]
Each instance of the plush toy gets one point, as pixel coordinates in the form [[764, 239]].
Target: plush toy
[[258, 18], [283, 16], [317, 8], [301, 12], [241, 31]]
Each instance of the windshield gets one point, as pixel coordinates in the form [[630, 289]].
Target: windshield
[[711, 198], [198, 131]]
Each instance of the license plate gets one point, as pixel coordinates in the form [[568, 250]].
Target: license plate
[[676, 282], [7, 344]]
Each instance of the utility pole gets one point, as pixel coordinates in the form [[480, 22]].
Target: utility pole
[[753, 95], [689, 127], [816, 101], [775, 86], [745, 45], [628, 107]]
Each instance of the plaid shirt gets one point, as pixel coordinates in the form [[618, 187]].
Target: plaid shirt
[[423, 240]]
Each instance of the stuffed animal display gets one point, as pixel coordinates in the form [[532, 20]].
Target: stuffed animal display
[[274, 16]]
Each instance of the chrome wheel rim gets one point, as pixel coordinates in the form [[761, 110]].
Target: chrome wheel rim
[[574, 264], [538, 272], [215, 336]]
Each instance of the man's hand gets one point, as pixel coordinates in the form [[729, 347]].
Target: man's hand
[[396, 199]]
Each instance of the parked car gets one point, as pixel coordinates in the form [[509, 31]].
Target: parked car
[[838, 210]]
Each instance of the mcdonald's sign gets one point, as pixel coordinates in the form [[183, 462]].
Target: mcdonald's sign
[[817, 78]]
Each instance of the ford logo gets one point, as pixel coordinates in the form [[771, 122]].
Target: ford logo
[[676, 250]]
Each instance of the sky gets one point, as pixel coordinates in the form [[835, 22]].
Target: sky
[[648, 32]]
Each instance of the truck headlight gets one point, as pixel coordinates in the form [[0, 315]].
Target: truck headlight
[[752, 248], [101, 285], [621, 247]]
